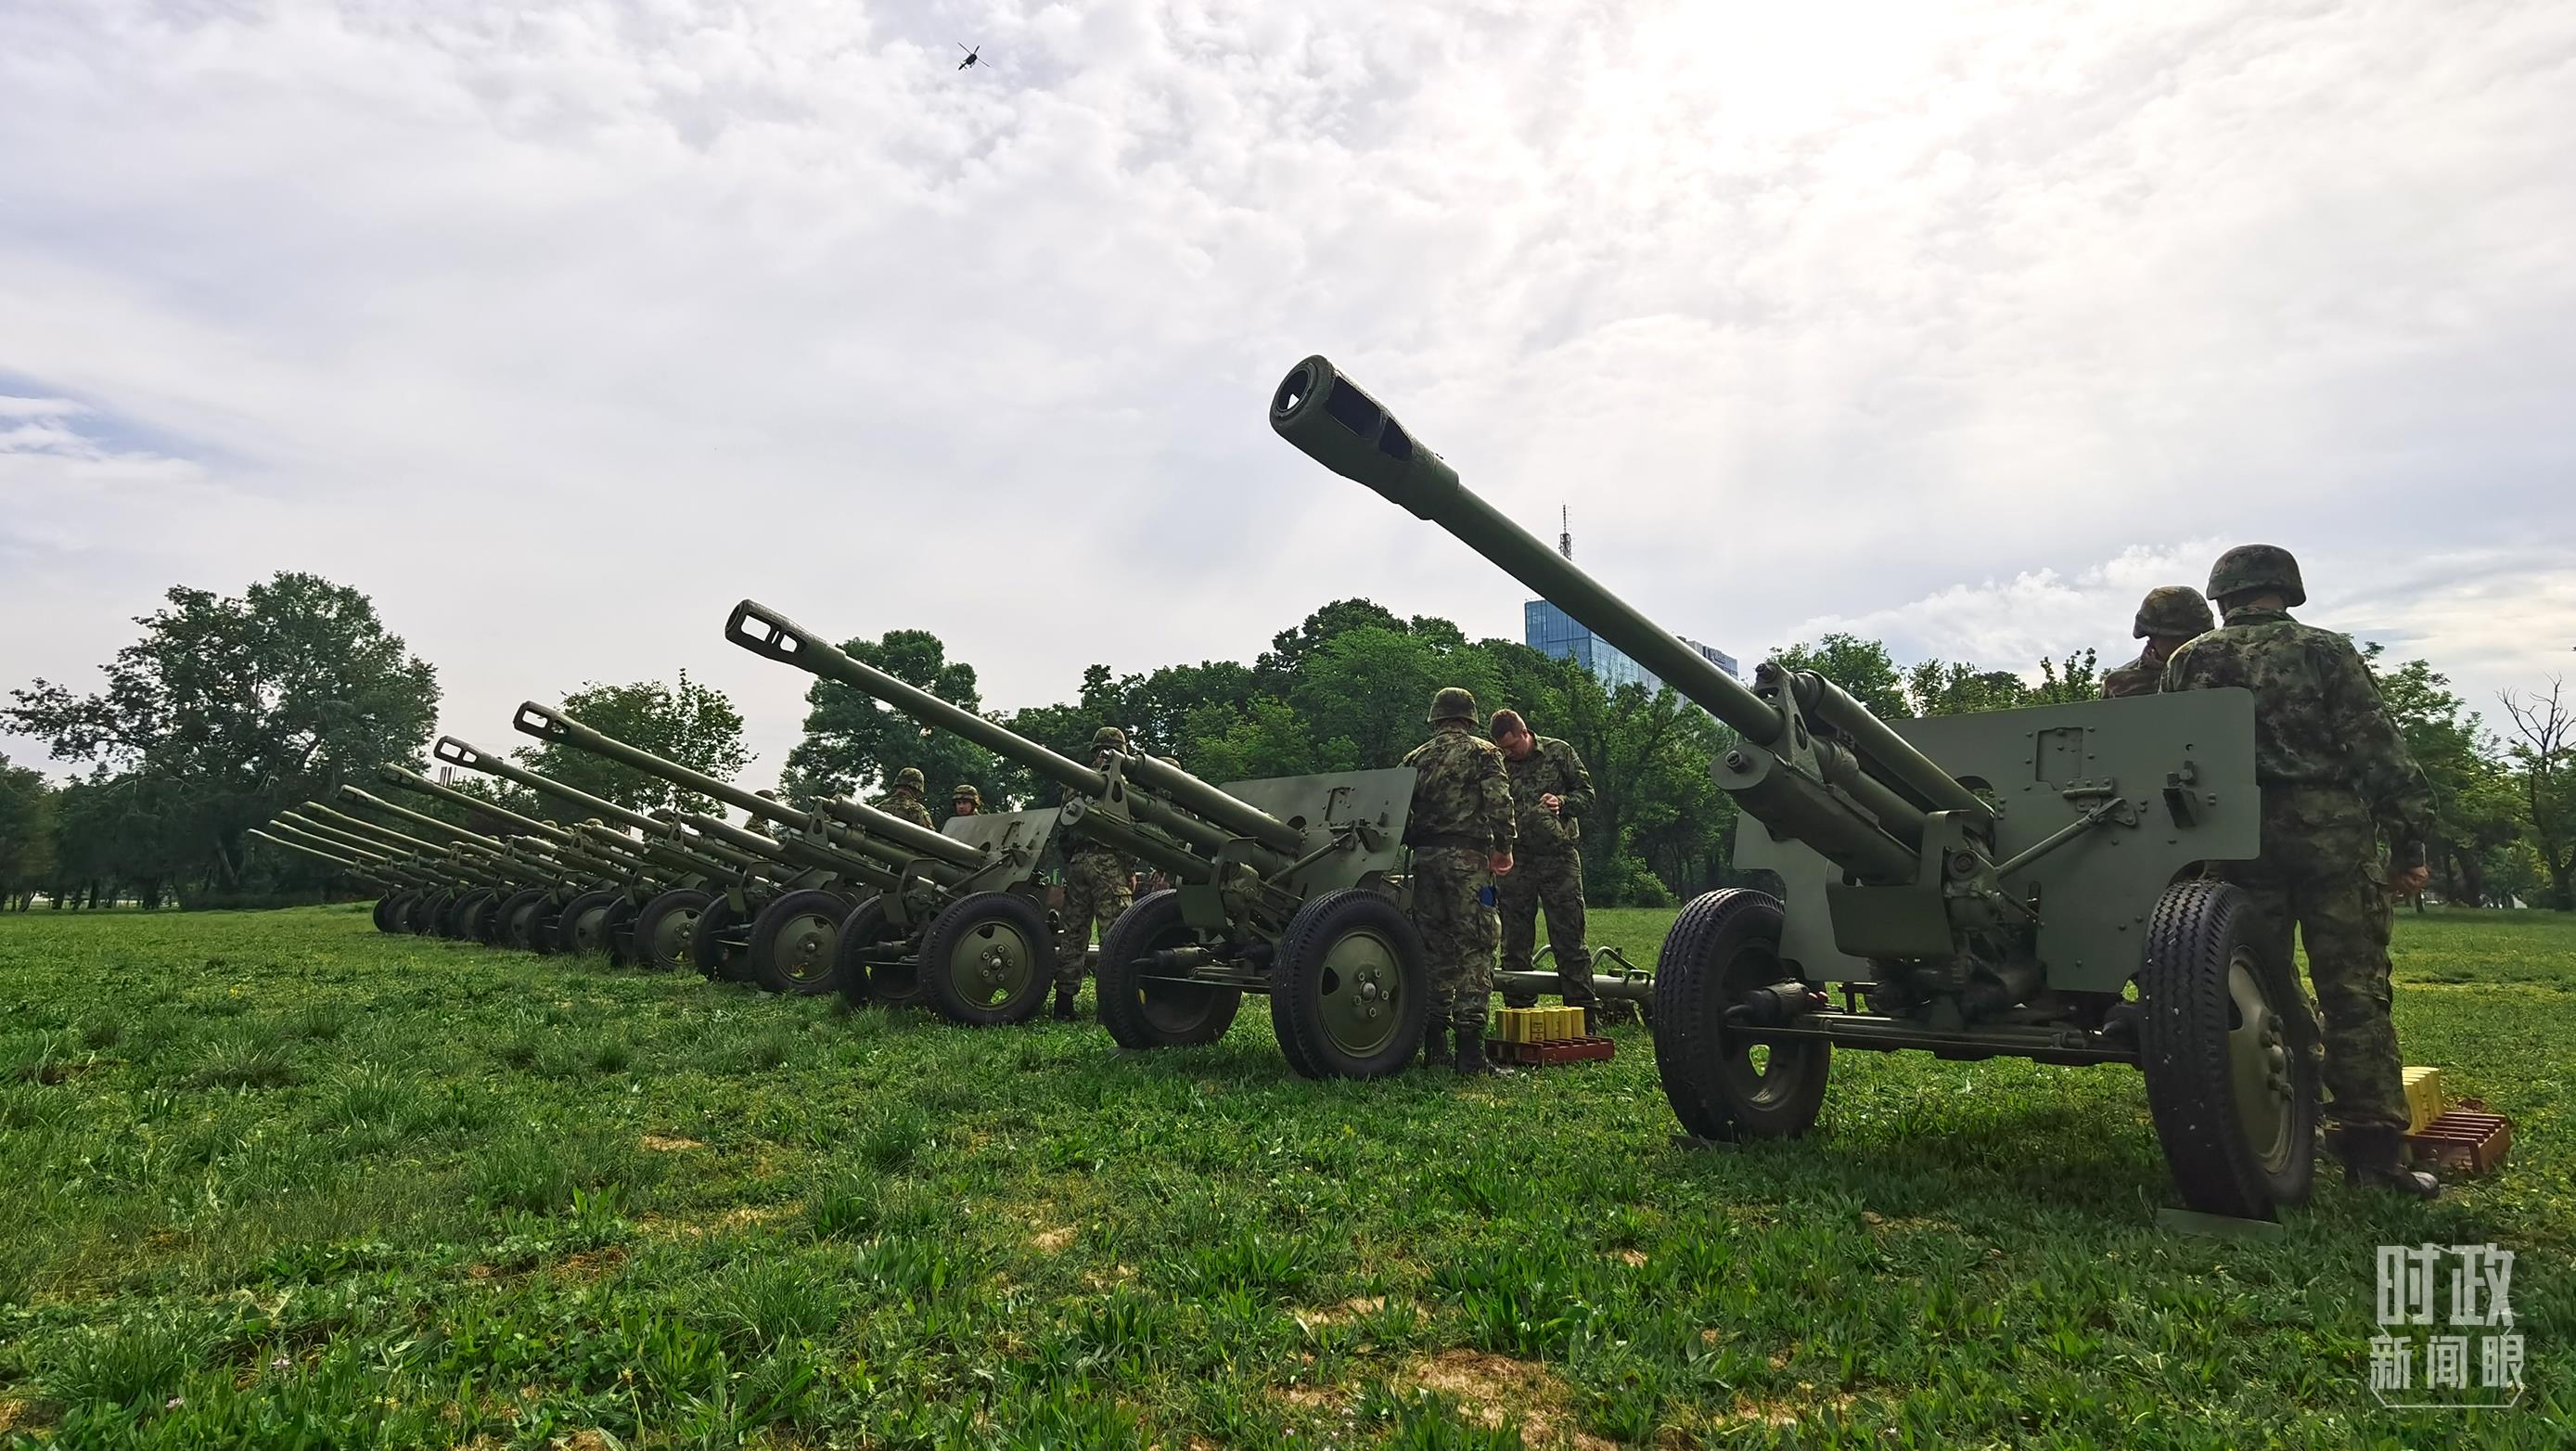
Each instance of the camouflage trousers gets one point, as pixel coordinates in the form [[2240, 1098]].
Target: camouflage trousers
[[1552, 884], [1458, 932], [1095, 891], [2320, 877]]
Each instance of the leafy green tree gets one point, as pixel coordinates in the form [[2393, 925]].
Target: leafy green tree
[[2062, 682], [2542, 757], [2474, 806], [26, 833], [1955, 687], [688, 723], [230, 708], [1863, 668]]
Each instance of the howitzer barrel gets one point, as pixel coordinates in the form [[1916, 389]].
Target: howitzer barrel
[[304, 836], [363, 829], [556, 728], [763, 631], [1334, 422], [889, 836], [414, 781], [798, 852], [447, 828], [460, 753], [332, 857]]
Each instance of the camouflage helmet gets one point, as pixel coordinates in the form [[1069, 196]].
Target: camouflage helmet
[[2257, 569], [910, 776], [1172, 761], [2173, 611], [966, 792], [1109, 738], [1453, 703]]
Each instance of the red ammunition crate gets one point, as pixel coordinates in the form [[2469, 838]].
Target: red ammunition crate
[[2463, 1141], [1547, 1055]]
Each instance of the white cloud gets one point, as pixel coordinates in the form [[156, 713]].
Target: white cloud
[[559, 327]]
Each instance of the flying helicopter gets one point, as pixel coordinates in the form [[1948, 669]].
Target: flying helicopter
[[974, 53]]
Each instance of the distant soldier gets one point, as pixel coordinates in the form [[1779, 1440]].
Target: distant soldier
[[965, 800], [2170, 614], [1096, 888], [1461, 832], [905, 799], [2334, 772], [1550, 794]]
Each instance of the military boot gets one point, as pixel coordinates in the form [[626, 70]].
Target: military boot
[[1064, 1012], [2376, 1159], [1472, 1062], [1435, 1042], [1591, 1020]]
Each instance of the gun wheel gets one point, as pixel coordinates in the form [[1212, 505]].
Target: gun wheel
[[1350, 990], [1142, 1011], [385, 911], [865, 936], [2233, 1098], [989, 959], [465, 919], [545, 927], [796, 941], [484, 922], [422, 915], [662, 930], [617, 931], [1721, 1084], [578, 929], [517, 918], [720, 945]]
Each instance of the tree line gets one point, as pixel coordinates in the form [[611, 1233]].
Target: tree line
[[229, 709]]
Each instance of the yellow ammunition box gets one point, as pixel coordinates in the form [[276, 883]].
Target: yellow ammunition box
[[2424, 1099]]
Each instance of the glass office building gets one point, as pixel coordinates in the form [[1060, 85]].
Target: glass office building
[[1553, 632]]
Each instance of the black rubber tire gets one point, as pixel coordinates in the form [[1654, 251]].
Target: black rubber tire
[[770, 938], [895, 985], [1305, 990], [515, 918], [573, 936], [456, 924], [422, 914], [708, 952], [2187, 1014], [1723, 943], [617, 930], [389, 911], [474, 918], [1146, 1013], [977, 920], [649, 933]]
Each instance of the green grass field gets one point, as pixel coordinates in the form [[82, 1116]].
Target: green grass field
[[275, 1179]]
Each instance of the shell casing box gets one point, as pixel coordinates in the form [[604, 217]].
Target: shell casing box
[[1513, 1025], [2424, 1099], [1569, 1023]]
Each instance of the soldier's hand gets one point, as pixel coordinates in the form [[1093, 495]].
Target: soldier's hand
[[1553, 802], [2410, 881], [1499, 863]]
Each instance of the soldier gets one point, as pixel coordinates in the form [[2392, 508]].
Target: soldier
[[905, 799], [1461, 832], [1096, 889], [965, 800], [1550, 794], [2170, 614], [2334, 771]]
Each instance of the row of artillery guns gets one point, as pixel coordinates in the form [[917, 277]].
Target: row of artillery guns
[[1290, 888], [2031, 883]]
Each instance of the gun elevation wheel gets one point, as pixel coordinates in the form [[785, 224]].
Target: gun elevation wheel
[[989, 959], [1721, 1084], [1350, 990], [795, 942], [662, 930], [1144, 1011], [617, 931], [578, 929], [864, 958], [516, 917], [2233, 1098]]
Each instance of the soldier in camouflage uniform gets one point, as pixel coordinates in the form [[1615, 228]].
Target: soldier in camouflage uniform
[[2170, 614], [2335, 774], [965, 800], [905, 799], [1550, 794], [1096, 888], [1461, 831]]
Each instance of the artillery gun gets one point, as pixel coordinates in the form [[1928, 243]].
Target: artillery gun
[[662, 878], [386, 884], [1283, 887], [2022, 883], [428, 873], [477, 915], [458, 868], [852, 898]]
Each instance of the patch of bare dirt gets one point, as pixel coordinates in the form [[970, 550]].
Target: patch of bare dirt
[[1311, 1321], [1779, 1411], [590, 1264], [1496, 1388], [1634, 1259], [1049, 1241], [669, 1144], [18, 1415], [587, 1441]]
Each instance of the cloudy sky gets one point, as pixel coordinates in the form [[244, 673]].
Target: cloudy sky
[[560, 327]]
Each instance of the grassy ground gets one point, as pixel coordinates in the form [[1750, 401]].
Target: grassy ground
[[275, 1179]]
